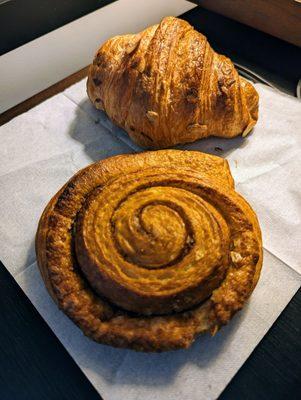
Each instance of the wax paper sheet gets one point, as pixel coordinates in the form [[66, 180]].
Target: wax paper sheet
[[45, 146]]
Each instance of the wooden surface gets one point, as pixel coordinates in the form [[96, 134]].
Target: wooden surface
[[42, 96], [280, 18], [35, 366]]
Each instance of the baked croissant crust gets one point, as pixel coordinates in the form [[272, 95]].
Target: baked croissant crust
[[166, 85], [146, 251]]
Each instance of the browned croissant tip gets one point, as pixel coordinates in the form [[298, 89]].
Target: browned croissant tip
[[166, 85], [201, 243], [252, 100]]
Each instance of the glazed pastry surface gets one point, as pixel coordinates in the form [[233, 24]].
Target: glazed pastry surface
[[166, 85], [146, 251]]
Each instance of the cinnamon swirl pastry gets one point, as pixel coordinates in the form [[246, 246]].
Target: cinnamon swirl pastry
[[146, 251]]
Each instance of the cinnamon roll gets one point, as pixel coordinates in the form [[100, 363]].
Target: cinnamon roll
[[146, 251]]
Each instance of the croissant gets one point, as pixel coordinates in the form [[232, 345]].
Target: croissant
[[166, 85], [147, 251]]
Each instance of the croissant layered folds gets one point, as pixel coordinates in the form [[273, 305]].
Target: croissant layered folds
[[147, 251], [166, 85]]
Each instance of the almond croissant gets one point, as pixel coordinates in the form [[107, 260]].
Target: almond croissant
[[166, 85]]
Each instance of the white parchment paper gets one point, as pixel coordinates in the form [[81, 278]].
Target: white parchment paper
[[44, 147]]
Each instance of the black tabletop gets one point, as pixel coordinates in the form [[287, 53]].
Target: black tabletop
[[33, 363]]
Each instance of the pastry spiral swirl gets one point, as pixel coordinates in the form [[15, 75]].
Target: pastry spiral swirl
[[166, 85], [146, 251]]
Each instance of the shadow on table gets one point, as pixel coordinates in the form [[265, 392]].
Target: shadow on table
[[99, 136], [153, 369]]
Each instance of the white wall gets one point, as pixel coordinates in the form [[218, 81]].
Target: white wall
[[42, 62]]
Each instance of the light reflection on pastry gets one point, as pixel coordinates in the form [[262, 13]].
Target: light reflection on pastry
[[166, 85], [146, 251]]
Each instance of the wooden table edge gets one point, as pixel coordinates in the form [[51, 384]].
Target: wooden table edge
[[45, 94]]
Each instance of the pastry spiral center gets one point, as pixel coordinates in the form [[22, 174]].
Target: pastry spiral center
[[152, 246], [153, 236]]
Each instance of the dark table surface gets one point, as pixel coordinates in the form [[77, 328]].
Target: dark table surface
[[33, 363]]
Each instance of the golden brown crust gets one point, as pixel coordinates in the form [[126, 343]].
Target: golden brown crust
[[166, 85], [201, 249]]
